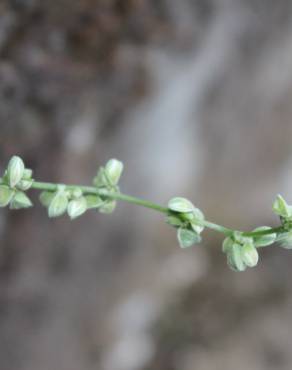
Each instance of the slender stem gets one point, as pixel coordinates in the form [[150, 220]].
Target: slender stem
[[274, 230], [102, 192], [216, 227], [47, 186]]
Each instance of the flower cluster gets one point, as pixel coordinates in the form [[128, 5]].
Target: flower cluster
[[107, 178], [188, 220], [240, 248], [71, 199], [15, 181], [241, 251]]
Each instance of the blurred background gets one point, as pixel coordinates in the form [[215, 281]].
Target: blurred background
[[195, 97]]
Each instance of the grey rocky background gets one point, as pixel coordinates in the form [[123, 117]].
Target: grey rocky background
[[195, 98]]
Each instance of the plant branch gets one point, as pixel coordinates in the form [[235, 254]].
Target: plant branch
[[48, 186], [240, 247]]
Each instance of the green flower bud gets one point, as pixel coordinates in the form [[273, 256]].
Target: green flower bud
[[20, 200], [227, 244], [240, 239], [58, 204], [264, 240], [249, 254], [15, 171], [6, 195], [181, 205], [186, 216], [234, 258], [24, 184], [114, 169], [76, 207], [187, 238], [198, 217], [46, 197], [108, 206], [281, 208], [101, 180], [285, 240], [75, 193], [27, 174], [174, 221], [93, 201]]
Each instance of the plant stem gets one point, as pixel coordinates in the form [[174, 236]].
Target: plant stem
[[47, 186], [102, 192], [275, 230], [221, 229]]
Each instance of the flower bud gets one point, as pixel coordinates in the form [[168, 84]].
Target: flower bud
[[114, 169], [264, 240], [58, 204], [187, 238], [181, 205], [281, 208], [75, 193], [196, 222], [240, 239], [234, 258], [174, 221], [93, 201], [108, 206], [227, 244], [27, 174], [249, 254], [15, 171], [46, 198], [24, 184], [100, 180], [285, 240], [76, 207], [20, 200], [6, 195]]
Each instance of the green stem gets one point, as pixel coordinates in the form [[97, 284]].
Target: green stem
[[102, 192], [47, 186], [274, 230], [221, 229]]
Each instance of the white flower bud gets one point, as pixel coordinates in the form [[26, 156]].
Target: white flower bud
[[20, 200], [101, 180], [15, 171], [75, 193], [198, 217], [46, 198], [249, 254], [285, 240], [234, 258], [187, 238], [227, 244], [108, 206], [281, 208], [58, 204], [27, 174], [179, 204], [24, 184], [76, 207], [114, 169]]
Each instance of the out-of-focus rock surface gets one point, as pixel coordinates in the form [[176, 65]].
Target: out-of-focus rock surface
[[195, 98]]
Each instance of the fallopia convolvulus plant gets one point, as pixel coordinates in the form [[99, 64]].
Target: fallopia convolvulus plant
[[241, 248]]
